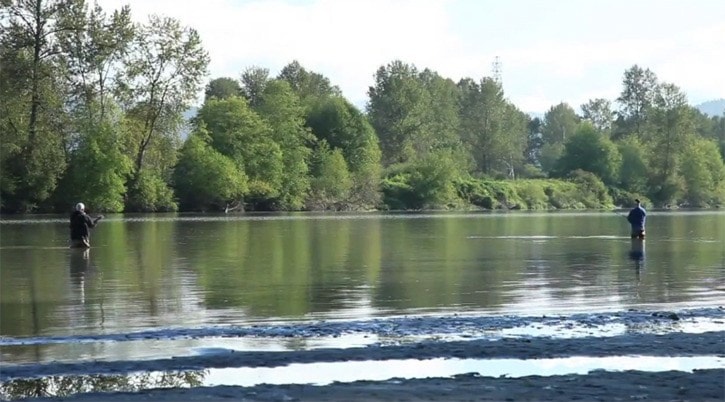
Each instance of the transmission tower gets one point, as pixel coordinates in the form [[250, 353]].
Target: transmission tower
[[496, 69]]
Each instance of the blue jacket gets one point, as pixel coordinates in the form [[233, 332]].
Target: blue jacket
[[637, 217]]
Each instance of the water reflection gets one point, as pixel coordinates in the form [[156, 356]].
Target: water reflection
[[156, 272], [64, 386], [636, 254], [80, 266]]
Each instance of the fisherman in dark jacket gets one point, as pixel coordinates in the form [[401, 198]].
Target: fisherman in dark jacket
[[80, 225], [636, 219]]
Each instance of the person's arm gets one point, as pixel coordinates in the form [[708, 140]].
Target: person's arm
[[92, 222]]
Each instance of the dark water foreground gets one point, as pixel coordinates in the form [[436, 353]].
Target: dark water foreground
[[667, 353]]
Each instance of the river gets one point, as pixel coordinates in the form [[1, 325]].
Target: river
[[161, 272]]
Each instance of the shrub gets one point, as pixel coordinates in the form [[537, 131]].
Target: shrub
[[624, 198], [151, 194], [593, 192], [398, 194], [473, 192], [563, 195], [532, 194]]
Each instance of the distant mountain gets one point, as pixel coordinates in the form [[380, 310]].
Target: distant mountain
[[713, 108]]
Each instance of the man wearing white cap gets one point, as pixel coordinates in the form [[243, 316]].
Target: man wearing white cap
[[80, 225]]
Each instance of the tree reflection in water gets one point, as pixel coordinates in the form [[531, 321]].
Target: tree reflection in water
[[69, 385]]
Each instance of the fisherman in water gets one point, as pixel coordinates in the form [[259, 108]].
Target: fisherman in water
[[80, 225], [636, 219]]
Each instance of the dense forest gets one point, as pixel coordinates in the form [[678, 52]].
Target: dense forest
[[92, 104]]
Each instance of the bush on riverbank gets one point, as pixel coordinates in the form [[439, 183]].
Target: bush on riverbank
[[534, 194], [582, 190]]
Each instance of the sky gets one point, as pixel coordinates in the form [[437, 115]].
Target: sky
[[550, 51]]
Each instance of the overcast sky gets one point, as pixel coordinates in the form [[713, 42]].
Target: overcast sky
[[550, 50]]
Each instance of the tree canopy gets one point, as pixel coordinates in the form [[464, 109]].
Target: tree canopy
[[92, 108]]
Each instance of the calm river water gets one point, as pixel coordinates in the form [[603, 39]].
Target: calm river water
[[165, 271]]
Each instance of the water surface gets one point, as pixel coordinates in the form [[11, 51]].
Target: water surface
[[150, 272]]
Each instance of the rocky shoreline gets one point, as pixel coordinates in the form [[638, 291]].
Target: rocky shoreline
[[646, 334]]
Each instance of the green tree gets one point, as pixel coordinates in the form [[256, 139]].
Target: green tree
[[222, 88], [241, 134], [514, 141], [703, 173], [343, 127], [433, 179], [426, 183], [93, 53], [670, 129], [636, 99], [281, 109], [534, 142], [254, 80], [710, 128], [592, 190], [414, 113], [483, 110], [560, 122], [308, 85], [206, 179], [32, 100], [635, 172], [719, 132], [550, 154], [590, 151], [331, 180], [399, 110], [163, 74], [599, 113], [444, 109], [98, 170]]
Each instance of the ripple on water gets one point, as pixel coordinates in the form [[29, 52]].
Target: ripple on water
[[153, 344]]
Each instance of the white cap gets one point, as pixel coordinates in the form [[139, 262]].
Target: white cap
[[80, 206]]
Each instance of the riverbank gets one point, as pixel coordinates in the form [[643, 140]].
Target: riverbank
[[415, 341], [705, 385]]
